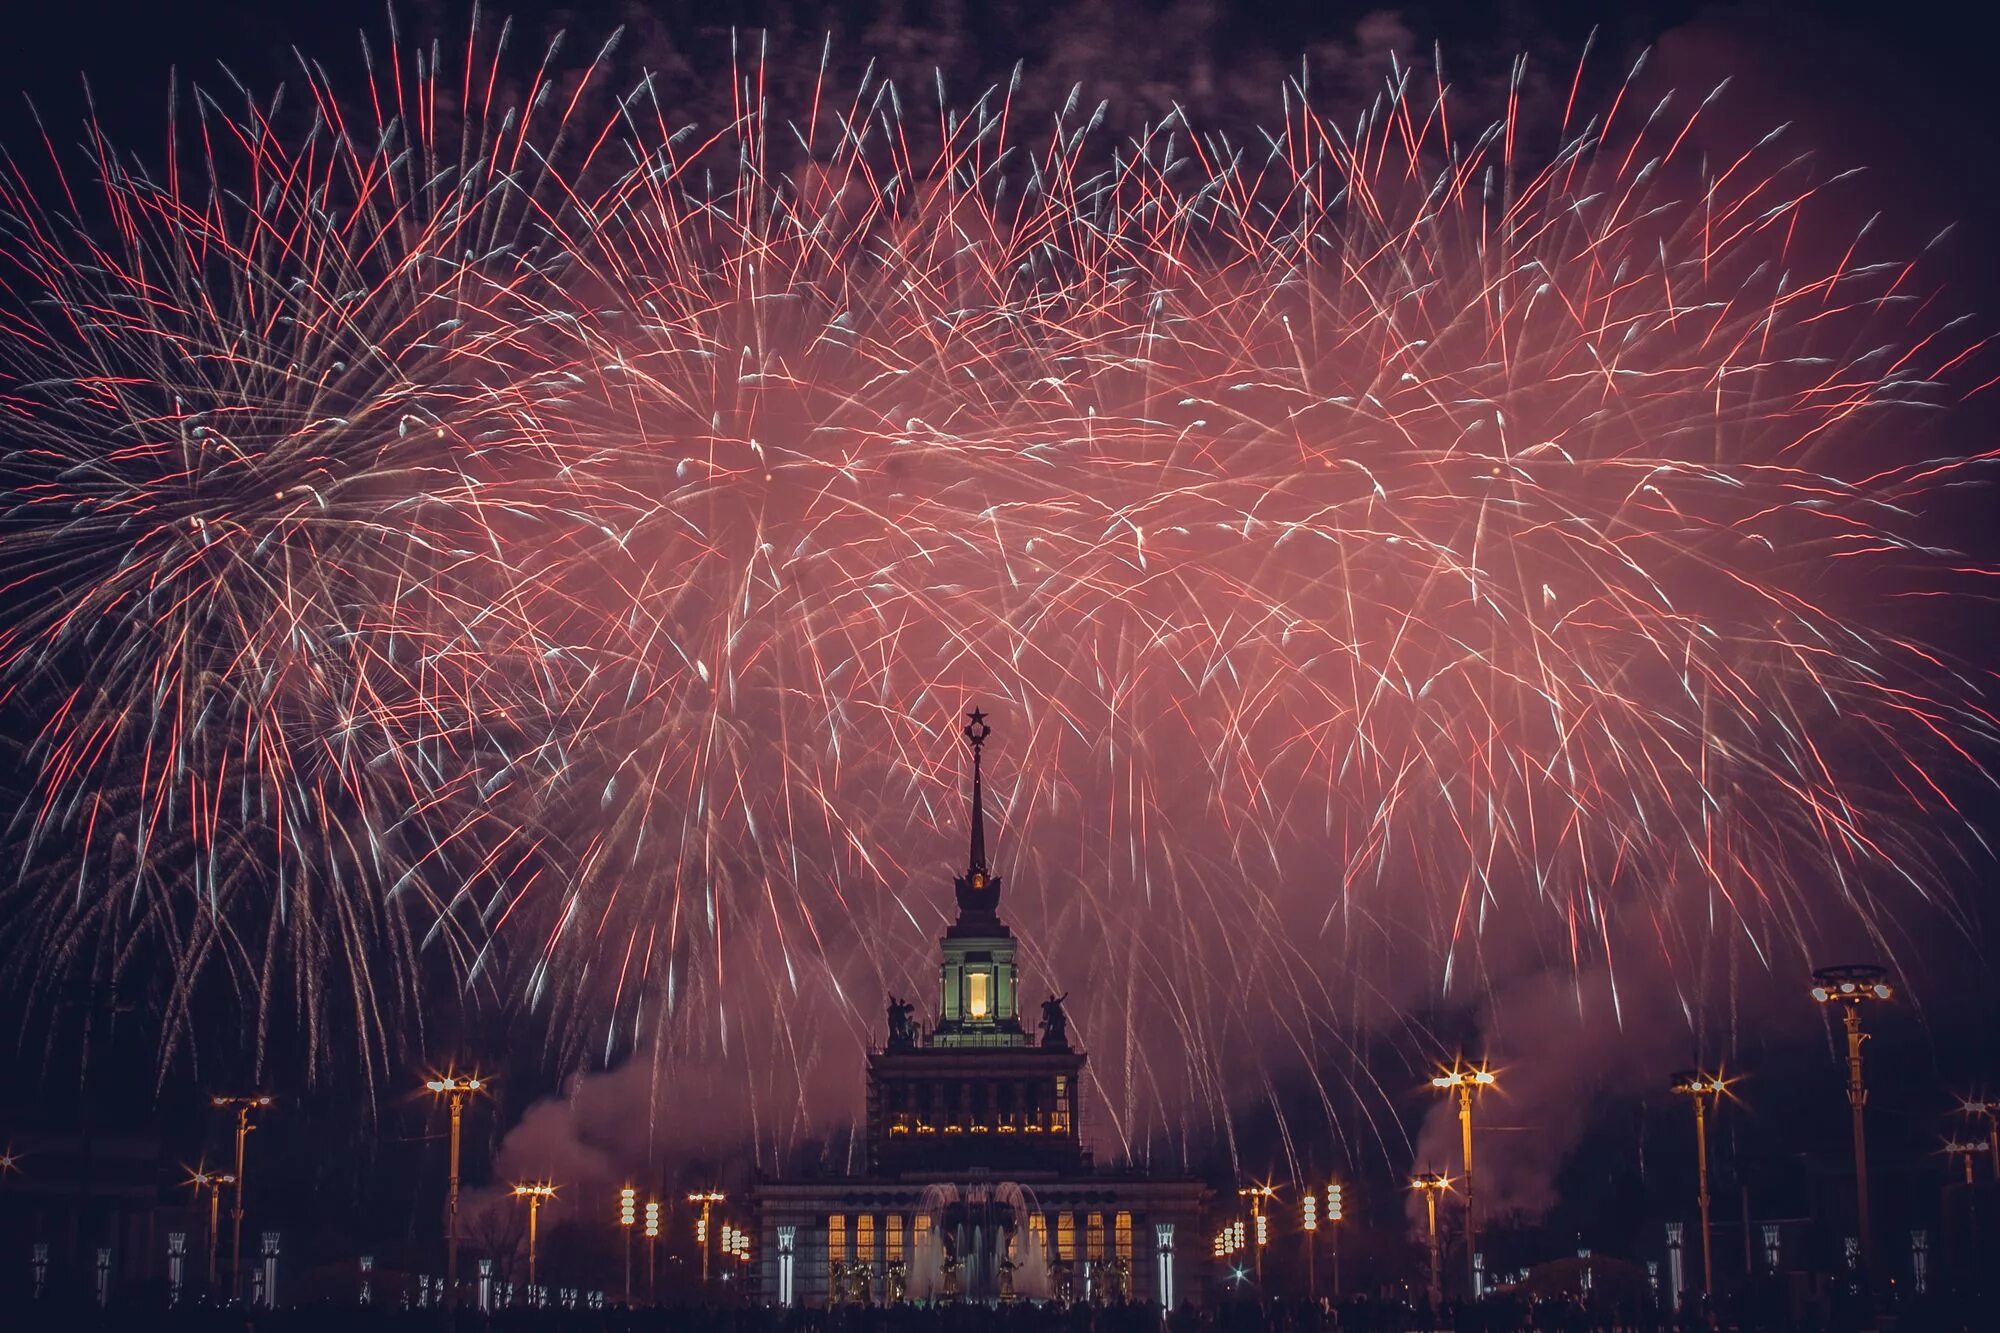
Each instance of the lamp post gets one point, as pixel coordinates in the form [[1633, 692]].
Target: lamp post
[[1433, 1183], [1259, 1226], [1700, 1088], [1309, 1223], [534, 1193], [212, 1182], [1464, 1080], [628, 1217], [652, 1251], [1335, 1212], [1989, 1108], [1965, 1150], [244, 1105], [707, 1199], [456, 1089], [1851, 985]]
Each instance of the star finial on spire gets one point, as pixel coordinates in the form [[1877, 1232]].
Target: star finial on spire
[[976, 732]]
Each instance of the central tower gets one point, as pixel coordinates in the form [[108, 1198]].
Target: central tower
[[979, 1002], [978, 1186], [977, 1089]]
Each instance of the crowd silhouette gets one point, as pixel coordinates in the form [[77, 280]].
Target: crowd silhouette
[[1502, 1313]]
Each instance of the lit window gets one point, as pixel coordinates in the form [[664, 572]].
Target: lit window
[[836, 1236], [864, 1238], [894, 1241], [1066, 1236], [1121, 1235], [978, 1000], [1093, 1236]]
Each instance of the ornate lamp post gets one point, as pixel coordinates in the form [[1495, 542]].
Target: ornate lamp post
[[652, 1251], [1309, 1224], [628, 1217], [457, 1089], [534, 1193], [1464, 1080], [1260, 1227], [244, 1105], [1850, 986], [213, 1183], [1986, 1106], [1965, 1150], [1701, 1088], [1433, 1183], [1335, 1213], [707, 1199]]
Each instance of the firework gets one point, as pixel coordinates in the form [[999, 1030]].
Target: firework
[[252, 607], [1363, 537]]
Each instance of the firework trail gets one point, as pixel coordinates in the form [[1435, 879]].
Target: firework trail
[[1375, 540], [1358, 513], [251, 614]]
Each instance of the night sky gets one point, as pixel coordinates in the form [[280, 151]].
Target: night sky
[[1900, 92]]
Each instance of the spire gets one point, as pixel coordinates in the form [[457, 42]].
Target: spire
[[976, 732], [978, 888]]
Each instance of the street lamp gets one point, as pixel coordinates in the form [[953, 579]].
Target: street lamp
[[244, 1104], [212, 1182], [735, 1244], [1851, 985], [1966, 1149], [534, 1193], [1334, 1214], [1309, 1223], [652, 1251], [1464, 1080], [1261, 1226], [1991, 1110], [457, 1089], [1433, 1183], [707, 1199], [628, 1217], [1701, 1088]]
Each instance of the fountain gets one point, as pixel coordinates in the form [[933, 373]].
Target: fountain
[[973, 1244], [928, 1253], [1030, 1260]]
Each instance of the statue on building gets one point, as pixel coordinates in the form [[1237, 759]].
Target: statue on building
[[1055, 1023], [902, 1029]]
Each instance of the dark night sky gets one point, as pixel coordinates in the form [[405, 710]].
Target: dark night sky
[[1900, 90]]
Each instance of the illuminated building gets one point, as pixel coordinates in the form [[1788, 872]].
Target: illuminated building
[[980, 1185]]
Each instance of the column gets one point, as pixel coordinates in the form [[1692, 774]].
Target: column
[[1674, 1283], [177, 1244], [787, 1242], [269, 1270]]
